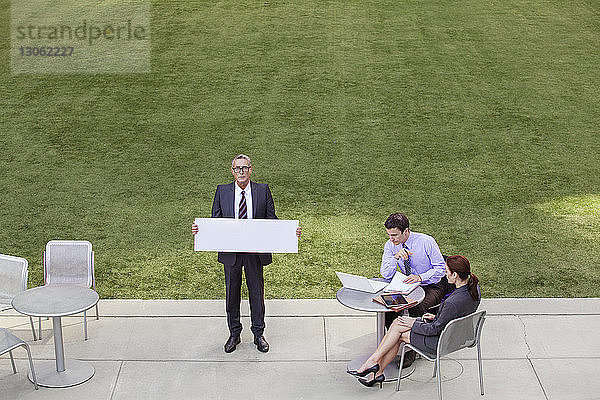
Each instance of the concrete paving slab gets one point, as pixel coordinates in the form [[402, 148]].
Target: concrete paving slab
[[173, 349], [216, 308], [350, 337], [573, 379], [320, 307], [502, 337], [347, 338], [164, 308], [329, 307], [187, 380], [6, 320], [184, 338], [18, 387], [9, 313], [291, 380], [503, 380], [541, 306], [19, 326], [563, 336]]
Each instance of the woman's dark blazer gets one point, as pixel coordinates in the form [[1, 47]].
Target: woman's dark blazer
[[425, 335]]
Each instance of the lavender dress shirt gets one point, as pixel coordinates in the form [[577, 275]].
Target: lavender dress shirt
[[426, 260]]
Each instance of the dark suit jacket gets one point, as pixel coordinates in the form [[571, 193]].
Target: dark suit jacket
[[262, 208], [458, 304]]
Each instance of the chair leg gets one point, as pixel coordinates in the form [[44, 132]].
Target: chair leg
[[434, 369], [85, 325], [439, 379], [12, 361], [400, 367], [32, 328], [31, 365], [480, 368], [97, 315], [40, 327]]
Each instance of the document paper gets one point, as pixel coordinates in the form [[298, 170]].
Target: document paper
[[246, 235], [397, 284]]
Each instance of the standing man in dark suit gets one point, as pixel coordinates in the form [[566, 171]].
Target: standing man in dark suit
[[244, 199]]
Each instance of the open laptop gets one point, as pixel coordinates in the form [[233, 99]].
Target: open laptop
[[361, 283]]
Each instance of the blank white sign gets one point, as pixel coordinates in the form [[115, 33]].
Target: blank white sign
[[246, 235]]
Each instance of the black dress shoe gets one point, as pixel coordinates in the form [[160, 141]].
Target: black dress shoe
[[379, 379], [261, 344], [232, 343], [366, 372]]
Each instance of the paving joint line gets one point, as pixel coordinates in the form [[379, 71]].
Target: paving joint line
[[528, 356], [224, 316], [525, 336], [329, 360], [538, 379], [299, 360], [112, 393], [325, 338], [365, 315], [204, 361]]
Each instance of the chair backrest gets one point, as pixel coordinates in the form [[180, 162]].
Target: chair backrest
[[68, 262], [13, 276], [461, 332], [8, 341]]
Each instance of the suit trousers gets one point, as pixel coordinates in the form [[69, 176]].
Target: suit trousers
[[433, 296], [256, 290]]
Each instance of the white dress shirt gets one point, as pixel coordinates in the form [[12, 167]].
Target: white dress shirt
[[238, 198]]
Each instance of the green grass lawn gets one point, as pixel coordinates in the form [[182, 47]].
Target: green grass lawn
[[479, 120]]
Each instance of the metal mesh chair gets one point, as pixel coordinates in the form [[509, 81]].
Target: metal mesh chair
[[9, 342], [70, 262], [458, 334], [13, 280]]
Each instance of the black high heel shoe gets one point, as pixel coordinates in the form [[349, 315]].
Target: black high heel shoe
[[374, 368], [378, 379]]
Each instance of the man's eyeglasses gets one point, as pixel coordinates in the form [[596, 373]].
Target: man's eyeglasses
[[237, 170]]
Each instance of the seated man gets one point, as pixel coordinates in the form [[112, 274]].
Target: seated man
[[417, 256]]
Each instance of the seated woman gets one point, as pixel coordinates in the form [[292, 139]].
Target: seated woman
[[424, 332]]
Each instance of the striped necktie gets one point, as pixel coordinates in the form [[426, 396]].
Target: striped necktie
[[243, 211], [407, 269]]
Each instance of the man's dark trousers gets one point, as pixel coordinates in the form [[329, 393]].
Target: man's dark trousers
[[253, 270]]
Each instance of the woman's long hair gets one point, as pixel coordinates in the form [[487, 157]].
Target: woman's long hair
[[462, 267]]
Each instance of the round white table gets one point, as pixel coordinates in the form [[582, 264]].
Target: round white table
[[363, 301], [57, 302]]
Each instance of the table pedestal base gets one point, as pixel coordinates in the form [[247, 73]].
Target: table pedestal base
[[76, 372], [391, 371]]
